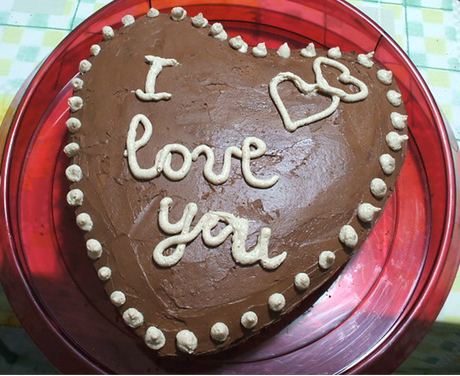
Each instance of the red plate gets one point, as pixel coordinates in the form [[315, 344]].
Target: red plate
[[369, 320]]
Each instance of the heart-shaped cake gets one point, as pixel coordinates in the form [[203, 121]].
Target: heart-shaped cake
[[218, 185]]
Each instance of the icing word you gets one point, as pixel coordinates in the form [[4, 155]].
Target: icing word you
[[237, 227], [251, 148], [322, 85], [157, 64]]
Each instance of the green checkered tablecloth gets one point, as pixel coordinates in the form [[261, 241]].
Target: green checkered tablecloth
[[429, 30]]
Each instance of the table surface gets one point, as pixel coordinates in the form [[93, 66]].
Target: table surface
[[429, 30]]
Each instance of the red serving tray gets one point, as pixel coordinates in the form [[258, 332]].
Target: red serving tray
[[369, 319]]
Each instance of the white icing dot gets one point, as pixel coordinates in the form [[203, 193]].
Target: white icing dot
[[75, 197], [394, 98], [395, 140], [334, 53], [378, 188], [399, 121], [302, 281], [154, 338], [186, 341], [348, 236], [104, 273], [73, 124], [133, 318], [217, 31], [153, 13], [238, 44], [260, 50], [95, 49], [128, 20], [367, 211], [219, 332], [249, 320], [84, 66], [385, 76], [71, 149], [326, 259], [94, 248], [117, 298], [388, 163], [366, 59], [73, 173], [199, 21], [75, 103], [84, 222], [77, 83], [107, 33], [276, 302], [284, 51], [178, 14], [308, 51]]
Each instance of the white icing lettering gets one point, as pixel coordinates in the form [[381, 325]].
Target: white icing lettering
[[157, 64], [164, 156], [182, 234]]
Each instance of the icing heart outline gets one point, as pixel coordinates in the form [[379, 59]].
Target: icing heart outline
[[322, 85]]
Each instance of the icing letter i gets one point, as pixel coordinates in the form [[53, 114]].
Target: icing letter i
[[157, 64]]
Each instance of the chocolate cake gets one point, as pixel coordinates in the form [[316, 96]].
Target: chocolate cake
[[217, 184]]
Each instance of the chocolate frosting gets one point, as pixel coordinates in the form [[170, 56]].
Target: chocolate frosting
[[219, 97]]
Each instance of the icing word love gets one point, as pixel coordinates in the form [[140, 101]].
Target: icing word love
[[322, 85], [157, 64], [251, 148], [238, 228]]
